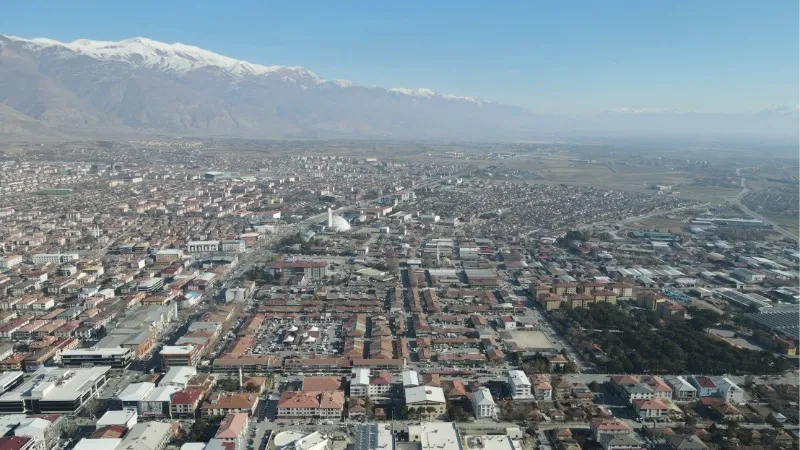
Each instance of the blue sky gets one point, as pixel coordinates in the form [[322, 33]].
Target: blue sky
[[563, 57]]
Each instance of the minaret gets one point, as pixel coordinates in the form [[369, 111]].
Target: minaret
[[330, 218], [241, 379]]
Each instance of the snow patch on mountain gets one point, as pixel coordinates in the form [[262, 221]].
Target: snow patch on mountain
[[640, 110], [176, 58], [427, 93], [343, 83], [181, 59]]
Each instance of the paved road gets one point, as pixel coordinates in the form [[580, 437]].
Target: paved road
[[737, 201]]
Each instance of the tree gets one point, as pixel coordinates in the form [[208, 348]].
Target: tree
[[392, 265], [197, 432], [368, 407], [252, 387], [228, 384], [594, 386], [457, 414]]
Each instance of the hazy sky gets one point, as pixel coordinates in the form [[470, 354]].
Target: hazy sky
[[564, 57]]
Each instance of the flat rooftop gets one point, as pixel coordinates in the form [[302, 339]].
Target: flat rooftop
[[56, 384]]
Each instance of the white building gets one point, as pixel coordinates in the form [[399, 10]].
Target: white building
[[483, 404], [147, 436], [9, 261], [202, 246], [520, 385], [178, 376], [55, 391], [150, 285], [410, 378], [233, 245], [54, 258], [728, 390], [359, 383], [98, 444], [682, 390], [133, 394], [435, 436], [158, 402], [125, 417]]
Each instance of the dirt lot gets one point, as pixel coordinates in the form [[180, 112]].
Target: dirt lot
[[530, 339]]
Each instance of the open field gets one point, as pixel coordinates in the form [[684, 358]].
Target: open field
[[662, 224], [791, 224], [530, 339]]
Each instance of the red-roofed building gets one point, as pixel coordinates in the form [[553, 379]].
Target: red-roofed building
[[705, 387], [16, 443], [608, 426], [109, 432], [185, 403], [325, 404], [233, 429], [648, 409], [507, 323]]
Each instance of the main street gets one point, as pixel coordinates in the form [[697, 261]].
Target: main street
[[737, 201]]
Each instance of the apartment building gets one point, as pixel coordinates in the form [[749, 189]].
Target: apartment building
[[519, 384], [233, 429], [322, 404], [185, 402], [54, 258], [311, 270], [222, 403], [180, 355], [362, 384], [118, 358], [202, 246]]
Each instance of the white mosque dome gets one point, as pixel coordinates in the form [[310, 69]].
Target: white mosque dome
[[339, 223]]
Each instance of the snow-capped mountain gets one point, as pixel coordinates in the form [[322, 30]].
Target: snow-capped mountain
[[141, 52], [149, 85], [144, 86]]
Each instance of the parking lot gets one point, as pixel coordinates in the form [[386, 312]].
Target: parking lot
[[303, 336]]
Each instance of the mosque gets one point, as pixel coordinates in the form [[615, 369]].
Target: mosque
[[336, 223]]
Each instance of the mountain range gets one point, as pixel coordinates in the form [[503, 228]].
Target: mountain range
[[50, 88]]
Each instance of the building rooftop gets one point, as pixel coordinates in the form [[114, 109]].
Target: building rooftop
[[178, 375], [98, 444], [136, 392], [435, 436], [56, 384], [417, 394], [116, 417], [232, 426]]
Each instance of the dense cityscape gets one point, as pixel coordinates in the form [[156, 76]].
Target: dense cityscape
[[176, 294]]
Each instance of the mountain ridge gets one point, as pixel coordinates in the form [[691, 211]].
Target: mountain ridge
[[145, 86]]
